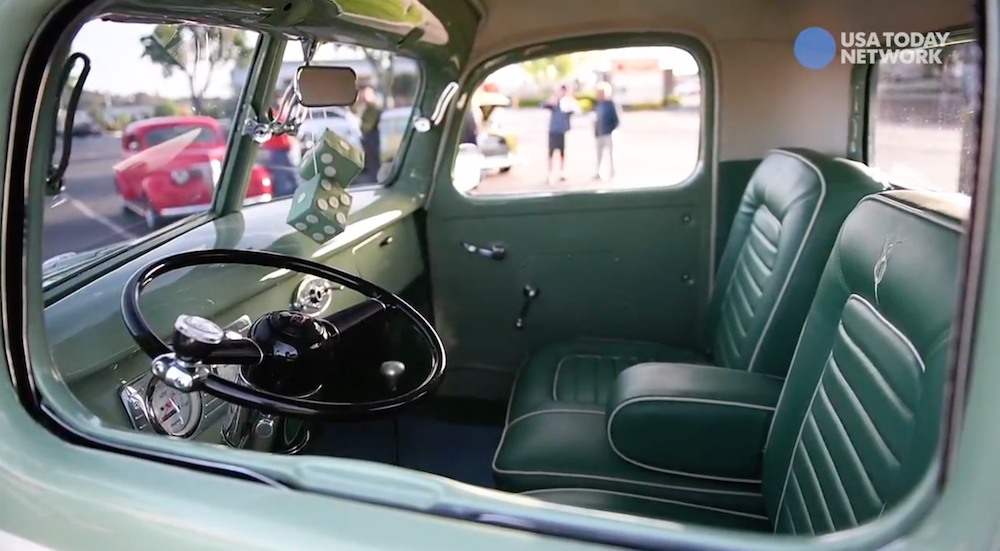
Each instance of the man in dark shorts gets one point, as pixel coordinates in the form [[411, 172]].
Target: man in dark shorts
[[562, 107]]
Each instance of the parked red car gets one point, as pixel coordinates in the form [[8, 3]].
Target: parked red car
[[172, 165]]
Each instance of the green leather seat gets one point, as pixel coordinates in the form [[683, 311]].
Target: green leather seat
[[854, 429], [780, 239]]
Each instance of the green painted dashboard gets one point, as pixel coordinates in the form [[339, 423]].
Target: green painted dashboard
[[95, 355]]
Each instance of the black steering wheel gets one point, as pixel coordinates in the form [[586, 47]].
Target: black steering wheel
[[285, 352]]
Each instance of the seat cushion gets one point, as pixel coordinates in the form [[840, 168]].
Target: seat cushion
[[651, 507], [583, 371], [567, 446]]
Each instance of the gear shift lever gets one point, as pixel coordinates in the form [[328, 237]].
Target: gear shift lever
[[393, 371]]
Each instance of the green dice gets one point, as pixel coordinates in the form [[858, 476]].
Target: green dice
[[334, 158], [319, 209], [321, 204]]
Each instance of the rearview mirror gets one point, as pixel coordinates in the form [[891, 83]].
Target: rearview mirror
[[324, 86]]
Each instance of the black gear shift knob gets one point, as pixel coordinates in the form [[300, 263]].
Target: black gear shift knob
[[392, 371]]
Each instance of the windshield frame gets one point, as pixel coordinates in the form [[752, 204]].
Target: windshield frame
[[241, 153]]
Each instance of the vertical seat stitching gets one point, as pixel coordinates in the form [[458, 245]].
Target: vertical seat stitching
[[852, 449], [814, 476], [863, 413], [837, 477]]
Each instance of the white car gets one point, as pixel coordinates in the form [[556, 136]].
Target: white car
[[339, 120]]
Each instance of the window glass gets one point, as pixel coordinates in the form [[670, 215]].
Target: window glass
[[147, 140], [388, 87], [613, 119], [922, 118], [199, 134]]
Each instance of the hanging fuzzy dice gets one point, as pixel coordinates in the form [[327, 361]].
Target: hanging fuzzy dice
[[321, 205]]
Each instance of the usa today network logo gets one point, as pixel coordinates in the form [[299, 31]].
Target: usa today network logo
[[816, 48]]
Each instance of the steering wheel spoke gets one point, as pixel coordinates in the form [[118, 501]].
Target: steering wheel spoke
[[285, 354]]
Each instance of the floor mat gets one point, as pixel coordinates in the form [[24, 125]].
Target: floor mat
[[457, 451]]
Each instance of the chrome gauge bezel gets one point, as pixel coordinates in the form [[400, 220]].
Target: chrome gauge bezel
[[154, 422]]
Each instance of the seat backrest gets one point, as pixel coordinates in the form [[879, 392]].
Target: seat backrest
[[857, 423], [782, 234]]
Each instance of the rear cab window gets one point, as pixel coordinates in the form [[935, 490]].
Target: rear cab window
[[922, 127]]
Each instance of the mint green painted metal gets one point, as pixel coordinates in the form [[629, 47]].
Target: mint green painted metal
[[64, 496], [256, 95], [94, 357], [633, 264]]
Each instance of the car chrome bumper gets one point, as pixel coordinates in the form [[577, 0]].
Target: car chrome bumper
[[496, 162]]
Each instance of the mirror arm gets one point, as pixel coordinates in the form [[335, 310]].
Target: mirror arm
[[53, 182]]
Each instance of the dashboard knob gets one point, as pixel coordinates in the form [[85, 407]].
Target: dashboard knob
[[392, 371], [195, 337]]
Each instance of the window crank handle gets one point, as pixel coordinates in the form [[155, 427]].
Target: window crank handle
[[495, 251]]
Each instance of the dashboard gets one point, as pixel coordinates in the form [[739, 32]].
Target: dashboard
[[109, 375]]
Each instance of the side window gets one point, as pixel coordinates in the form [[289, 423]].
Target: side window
[[153, 91], [375, 124], [922, 120], [605, 120]]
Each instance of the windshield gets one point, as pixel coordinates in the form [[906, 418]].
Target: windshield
[[202, 134], [120, 187]]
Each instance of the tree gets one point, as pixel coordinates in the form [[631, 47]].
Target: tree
[[383, 66], [197, 52], [549, 70], [166, 108]]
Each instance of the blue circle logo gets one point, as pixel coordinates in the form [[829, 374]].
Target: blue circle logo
[[815, 48]]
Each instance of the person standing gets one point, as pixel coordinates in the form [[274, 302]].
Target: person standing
[[371, 140], [605, 123], [562, 107]]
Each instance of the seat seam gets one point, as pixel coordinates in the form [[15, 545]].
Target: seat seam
[[648, 498], [555, 377], [798, 253], [503, 438], [788, 473], [906, 340], [621, 406]]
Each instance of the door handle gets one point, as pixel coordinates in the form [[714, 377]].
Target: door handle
[[495, 251], [530, 293]]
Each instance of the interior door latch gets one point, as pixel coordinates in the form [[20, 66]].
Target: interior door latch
[[495, 251], [530, 293]]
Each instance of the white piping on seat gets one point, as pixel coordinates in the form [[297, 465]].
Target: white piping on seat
[[636, 496], [503, 437], [722, 403], [798, 253]]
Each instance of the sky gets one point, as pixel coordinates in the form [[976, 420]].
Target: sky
[[117, 65]]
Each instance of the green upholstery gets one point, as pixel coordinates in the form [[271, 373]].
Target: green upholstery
[[583, 371], [787, 222], [856, 425], [786, 225], [682, 403]]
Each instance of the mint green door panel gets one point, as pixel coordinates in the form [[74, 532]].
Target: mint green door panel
[[391, 257], [94, 353], [623, 265]]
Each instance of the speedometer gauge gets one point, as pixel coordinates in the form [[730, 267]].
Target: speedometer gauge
[[171, 411]]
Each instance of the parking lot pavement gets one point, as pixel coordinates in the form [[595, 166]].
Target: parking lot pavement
[[659, 148], [89, 214], [653, 148]]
